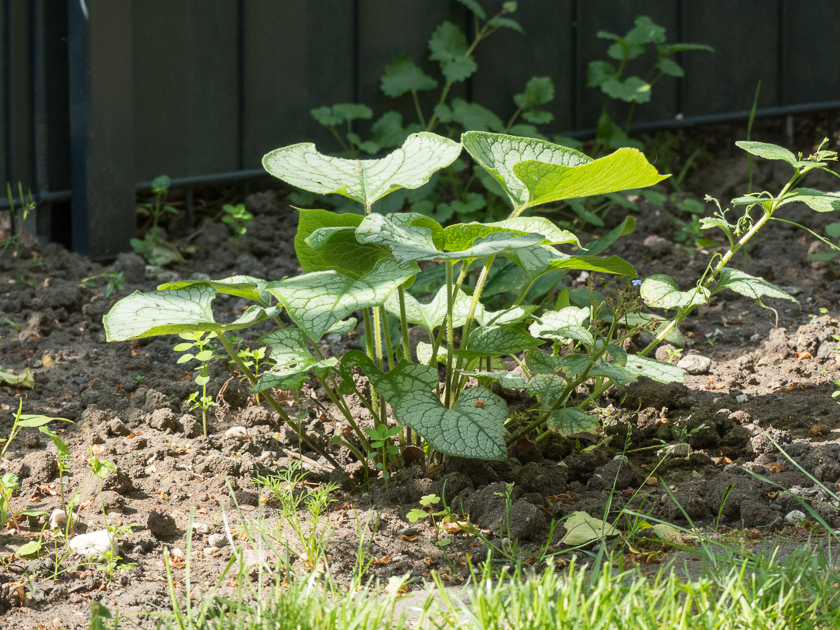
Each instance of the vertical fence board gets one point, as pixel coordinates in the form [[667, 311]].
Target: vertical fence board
[[186, 87], [745, 51], [387, 33], [813, 61], [57, 97], [17, 147], [508, 59], [298, 56]]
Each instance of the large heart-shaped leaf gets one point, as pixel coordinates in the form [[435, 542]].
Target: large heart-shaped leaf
[[499, 153], [292, 361], [462, 235], [365, 181], [572, 420], [474, 427], [655, 370], [750, 286], [624, 169], [241, 286], [534, 171], [415, 243], [660, 291], [340, 252], [173, 311], [564, 325], [316, 301], [405, 378]]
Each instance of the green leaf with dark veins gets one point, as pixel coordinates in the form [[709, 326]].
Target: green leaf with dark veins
[[660, 291], [611, 264], [240, 286], [473, 428], [572, 420], [365, 181], [316, 301], [655, 370], [461, 235], [292, 361], [563, 325], [814, 199], [432, 314], [173, 311], [749, 286], [495, 341]]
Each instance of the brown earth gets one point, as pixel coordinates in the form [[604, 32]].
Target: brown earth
[[129, 405]]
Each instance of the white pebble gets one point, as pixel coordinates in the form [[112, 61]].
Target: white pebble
[[237, 432], [177, 554], [201, 528], [217, 540], [94, 545], [695, 364], [795, 516]]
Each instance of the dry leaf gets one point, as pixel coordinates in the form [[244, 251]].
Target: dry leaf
[[202, 511], [723, 461], [381, 561], [562, 498], [773, 467], [651, 481], [409, 538], [815, 431], [47, 360]]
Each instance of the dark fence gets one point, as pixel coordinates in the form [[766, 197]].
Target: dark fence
[[99, 96]]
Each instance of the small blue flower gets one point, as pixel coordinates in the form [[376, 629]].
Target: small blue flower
[[636, 282]]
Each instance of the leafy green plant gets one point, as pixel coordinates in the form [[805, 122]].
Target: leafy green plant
[[634, 90], [365, 263], [199, 343], [382, 446], [114, 281], [27, 205], [428, 510], [154, 246], [238, 218], [661, 291], [832, 230]]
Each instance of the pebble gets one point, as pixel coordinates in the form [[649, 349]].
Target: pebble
[[201, 528], [794, 517], [409, 531], [240, 433], [209, 551], [177, 554], [94, 545], [741, 398], [695, 364], [217, 541]]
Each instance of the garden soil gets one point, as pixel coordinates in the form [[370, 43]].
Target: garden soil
[[757, 373]]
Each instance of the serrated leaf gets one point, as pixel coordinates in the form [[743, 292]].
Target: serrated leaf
[[448, 46], [402, 75], [475, 7], [767, 151], [598, 72], [495, 341], [538, 91], [630, 90], [241, 286], [473, 428], [660, 291], [536, 116], [655, 370], [316, 301], [750, 286], [572, 420], [499, 153], [582, 529], [173, 311], [337, 250], [472, 116], [292, 361], [388, 130], [365, 181], [670, 67]]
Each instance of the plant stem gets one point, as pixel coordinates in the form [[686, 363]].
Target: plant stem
[[297, 428], [389, 348], [417, 108], [404, 325], [450, 334]]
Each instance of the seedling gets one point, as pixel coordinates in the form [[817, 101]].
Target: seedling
[[114, 281], [154, 247], [428, 503], [382, 445], [204, 353], [238, 218], [27, 205]]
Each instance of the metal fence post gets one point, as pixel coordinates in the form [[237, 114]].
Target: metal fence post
[[101, 127]]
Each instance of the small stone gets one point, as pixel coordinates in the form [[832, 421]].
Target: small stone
[[209, 551], [217, 541], [161, 524], [409, 531], [201, 528], [741, 398], [695, 364], [177, 554], [680, 450], [240, 433], [795, 516], [94, 545]]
